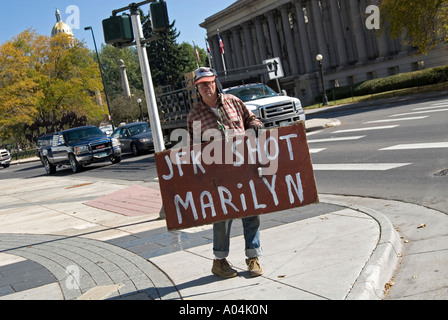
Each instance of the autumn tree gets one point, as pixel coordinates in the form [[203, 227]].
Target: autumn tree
[[20, 90], [423, 23], [45, 80]]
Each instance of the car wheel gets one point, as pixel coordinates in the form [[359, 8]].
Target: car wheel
[[115, 160], [74, 164], [50, 168], [134, 150]]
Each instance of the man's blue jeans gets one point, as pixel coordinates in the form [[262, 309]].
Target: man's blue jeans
[[221, 237]]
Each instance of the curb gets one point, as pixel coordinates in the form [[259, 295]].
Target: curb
[[384, 260]]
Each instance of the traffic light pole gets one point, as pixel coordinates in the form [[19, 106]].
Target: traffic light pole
[[154, 118]]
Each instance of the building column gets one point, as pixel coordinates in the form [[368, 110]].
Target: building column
[[277, 52], [227, 50], [338, 32], [320, 33], [249, 44], [216, 52], [304, 39], [347, 29], [357, 28], [292, 57], [260, 39], [237, 50]]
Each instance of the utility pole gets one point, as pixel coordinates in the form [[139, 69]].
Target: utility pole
[[102, 77], [154, 117]]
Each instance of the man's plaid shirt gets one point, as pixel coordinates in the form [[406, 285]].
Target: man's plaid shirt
[[232, 115]]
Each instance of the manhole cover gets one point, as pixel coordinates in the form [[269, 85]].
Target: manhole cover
[[441, 173]]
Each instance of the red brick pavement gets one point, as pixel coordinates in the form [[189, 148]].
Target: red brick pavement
[[132, 201]]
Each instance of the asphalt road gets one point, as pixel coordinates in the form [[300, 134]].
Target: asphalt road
[[396, 151]]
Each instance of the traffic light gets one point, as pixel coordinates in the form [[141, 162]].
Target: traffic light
[[159, 16], [118, 30]]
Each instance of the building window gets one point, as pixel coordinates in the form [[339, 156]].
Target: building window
[[371, 75], [350, 80], [418, 65], [393, 70], [305, 15], [335, 83]]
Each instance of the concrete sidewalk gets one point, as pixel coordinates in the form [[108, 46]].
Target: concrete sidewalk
[[66, 238], [54, 245]]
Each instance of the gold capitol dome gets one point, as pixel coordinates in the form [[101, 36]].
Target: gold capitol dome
[[60, 26]]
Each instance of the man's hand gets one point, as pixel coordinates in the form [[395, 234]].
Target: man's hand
[[256, 128]]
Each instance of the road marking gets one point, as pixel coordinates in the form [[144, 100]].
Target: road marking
[[401, 119], [413, 146], [359, 166], [317, 150], [443, 103], [336, 139], [418, 112], [367, 129], [429, 108], [314, 132]]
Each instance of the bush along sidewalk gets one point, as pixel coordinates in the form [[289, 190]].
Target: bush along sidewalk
[[413, 79]]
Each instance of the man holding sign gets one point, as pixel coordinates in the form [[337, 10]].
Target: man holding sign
[[229, 115]]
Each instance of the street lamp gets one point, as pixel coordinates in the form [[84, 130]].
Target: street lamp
[[139, 101], [102, 77], [319, 58]]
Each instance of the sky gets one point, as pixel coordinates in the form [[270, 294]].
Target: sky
[[17, 16]]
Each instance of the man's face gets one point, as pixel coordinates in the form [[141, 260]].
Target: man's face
[[207, 89]]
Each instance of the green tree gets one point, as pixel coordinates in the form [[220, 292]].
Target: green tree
[[167, 58], [110, 57], [424, 23], [187, 50]]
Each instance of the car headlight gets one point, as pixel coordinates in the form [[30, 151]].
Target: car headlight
[[144, 140], [254, 109], [298, 104], [81, 149], [115, 142]]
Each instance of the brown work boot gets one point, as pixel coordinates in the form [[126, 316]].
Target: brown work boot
[[254, 267], [221, 268]]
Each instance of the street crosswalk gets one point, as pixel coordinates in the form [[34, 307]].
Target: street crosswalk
[[392, 122]]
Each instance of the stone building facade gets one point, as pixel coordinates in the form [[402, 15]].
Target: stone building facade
[[298, 30]]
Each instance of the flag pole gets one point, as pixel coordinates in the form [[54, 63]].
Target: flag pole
[[196, 53], [209, 53], [221, 45]]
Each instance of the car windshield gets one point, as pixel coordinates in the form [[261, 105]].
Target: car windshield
[[250, 93], [139, 128], [82, 134]]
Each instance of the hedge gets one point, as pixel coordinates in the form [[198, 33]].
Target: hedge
[[399, 81]]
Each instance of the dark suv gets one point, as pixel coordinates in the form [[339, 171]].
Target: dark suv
[[80, 147]]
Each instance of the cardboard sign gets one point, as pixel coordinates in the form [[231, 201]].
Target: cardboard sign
[[236, 178]]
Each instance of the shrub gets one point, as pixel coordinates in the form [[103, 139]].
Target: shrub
[[399, 81]]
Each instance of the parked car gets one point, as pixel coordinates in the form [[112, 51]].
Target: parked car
[[107, 130], [5, 158], [271, 108], [135, 138], [79, 147], [42, 143]]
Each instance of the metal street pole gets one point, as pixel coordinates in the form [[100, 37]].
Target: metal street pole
[[102, 77], [154, 118], [319, 58]]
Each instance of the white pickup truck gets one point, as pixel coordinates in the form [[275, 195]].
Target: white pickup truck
[[273, 109], [5, 158]]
